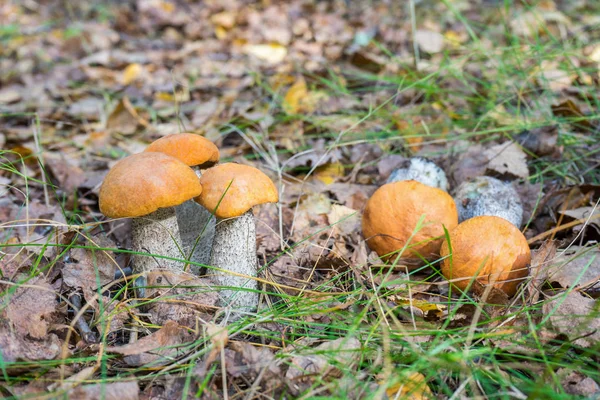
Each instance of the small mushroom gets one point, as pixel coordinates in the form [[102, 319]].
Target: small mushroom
[[230, 191], [485, 195], [146, 187], [489, 248], [392, 216], [196, 223], [422, 170]]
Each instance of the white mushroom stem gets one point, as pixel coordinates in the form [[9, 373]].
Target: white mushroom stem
[[158, 235], [234, 251], [197, 230]]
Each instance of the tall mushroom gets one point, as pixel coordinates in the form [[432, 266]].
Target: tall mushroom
[[146, 187], [196, 223], [230, 191]]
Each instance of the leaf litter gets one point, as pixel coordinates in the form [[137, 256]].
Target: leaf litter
[[341, 98]]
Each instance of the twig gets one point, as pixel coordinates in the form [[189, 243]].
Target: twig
[[82, 325]]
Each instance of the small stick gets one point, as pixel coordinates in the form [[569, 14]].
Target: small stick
[[562, 227], [84, 329]]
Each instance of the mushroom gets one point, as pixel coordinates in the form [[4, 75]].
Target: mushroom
[[489, 248], [229, 192], [146, 187], [391, 221], [421, 170], [485, 195], [196, 223]]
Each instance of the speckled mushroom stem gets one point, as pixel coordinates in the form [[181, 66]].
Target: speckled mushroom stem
[[156, 234], [234, 250], [197, 230]]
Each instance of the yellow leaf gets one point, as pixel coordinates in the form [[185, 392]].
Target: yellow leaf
[[412, 386], [329, 173], [164, 96], [295, 96], [131, 73], [167, 7], [225, 19], [272, 53], [420, 304], [220, 32]]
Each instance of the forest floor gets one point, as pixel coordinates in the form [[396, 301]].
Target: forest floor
[[327, 98]]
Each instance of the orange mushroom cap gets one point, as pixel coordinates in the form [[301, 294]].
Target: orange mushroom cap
[[142, 183], [490, 248], [249, 187], [190, 148], [393, 212]]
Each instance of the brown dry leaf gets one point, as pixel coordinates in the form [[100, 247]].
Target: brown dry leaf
[[586, 213], [574, 267], [126, 390], [157, 348], [89, 269], [124, 119], [30, 308], [568, 109], [179, 297], [412, 386], [319, 155], [540, 260], [343, 351], [576, 383], [471, 163], [540, 141], [64, 170], [242, 359], [507, 160], [574, 316], [17, 347]]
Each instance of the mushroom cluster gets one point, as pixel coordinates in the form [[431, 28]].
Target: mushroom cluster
[[188, 209], [411, 220]]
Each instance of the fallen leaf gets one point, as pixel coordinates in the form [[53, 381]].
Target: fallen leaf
[[540, 141], [131, 73], [346, 220], [411, 386], [242, 359], [126, 390], [124, 119], [577, 266], [568, 109], [576, 383], [10, 94], [295, 97], [30, 308], [272, 53], [324, 362], [574, 316], [429, 41], [180, 297], [507, 160], [329, 173], [158, 348], [90, 269], [16, 347]]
